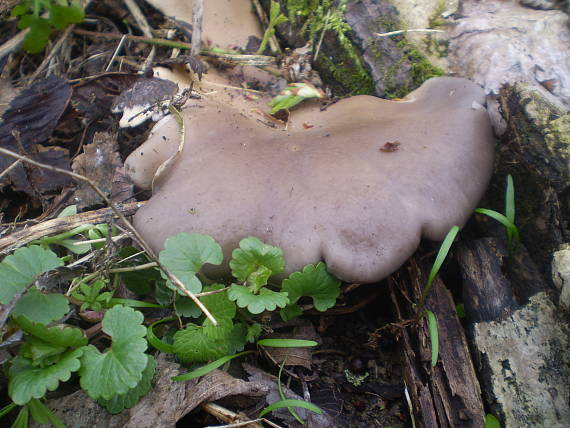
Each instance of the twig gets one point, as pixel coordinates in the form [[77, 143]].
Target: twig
[[10, 168], [52, 53], [136, 235], [273, 43], [146, 29], [415, 30], [117, 50], [197, 14]]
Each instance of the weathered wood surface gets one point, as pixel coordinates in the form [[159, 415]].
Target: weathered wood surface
[[518, 337], [447, 395]]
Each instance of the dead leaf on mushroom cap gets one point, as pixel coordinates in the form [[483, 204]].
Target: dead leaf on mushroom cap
[[327, 193]]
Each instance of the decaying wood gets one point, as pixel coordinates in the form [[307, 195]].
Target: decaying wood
[[447, 395], [57, 225], [521, 349]]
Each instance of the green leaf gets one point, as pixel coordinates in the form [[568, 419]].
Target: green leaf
[[27, 382], [287, 343], [193, 345], [38, 36], [22, 419], [185, 307], [19, 10], [62, 16], [253, 332], [291, 311], [491, 421], [20, 269], [184, 255], [60, 335], [510, 199], [139, 281], [257, 303], [254, 262], [208, 367], [442, 253], [67, 211], [282, 404], [127, 400], [164, 295], [104, 375], [7, 409], [41, 414], [434, 337], [218, 304], [155, 341], [315, 282], [40, 307], [237, 338]]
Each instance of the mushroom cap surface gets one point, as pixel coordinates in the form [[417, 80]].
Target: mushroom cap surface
[[357, 190]]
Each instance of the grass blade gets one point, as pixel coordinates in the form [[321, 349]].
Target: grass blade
[[286, 343], [155, 341], [510, 200], [290, 403], [434, 337], [201, 371]]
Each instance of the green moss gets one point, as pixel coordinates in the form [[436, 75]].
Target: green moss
[[324, 19], [435, 20]]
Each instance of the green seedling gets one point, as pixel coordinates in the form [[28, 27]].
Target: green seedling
[[118, 372], [275, 18], [508, 219], [491, 421], [431, 318], [42, 17], [294, 94]]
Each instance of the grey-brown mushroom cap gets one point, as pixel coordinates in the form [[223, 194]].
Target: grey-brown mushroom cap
[[331, 192]]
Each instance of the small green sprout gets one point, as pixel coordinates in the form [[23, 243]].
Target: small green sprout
[[275, 18], [294, 94], [508, 219], [60, 14]]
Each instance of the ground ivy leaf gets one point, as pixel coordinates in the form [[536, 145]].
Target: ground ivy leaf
[[192, 345], [19, 269], [219, 305], [127, 400], [315, 282], [59, 335], [237, 338], [40, 307], [42, 354], [27, 382], [185, 307], [185, 254], [104, 375], [254, 262], [290, 311], [256, 303]]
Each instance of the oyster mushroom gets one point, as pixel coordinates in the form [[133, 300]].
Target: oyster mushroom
[[358, 189]]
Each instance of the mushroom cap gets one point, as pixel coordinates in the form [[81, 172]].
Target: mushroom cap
[[357, 190]]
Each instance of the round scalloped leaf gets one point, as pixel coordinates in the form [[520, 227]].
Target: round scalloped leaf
[[219, 305], [104, 375], [59, 335], [19, 269], [193, 345], [27, 382], [257, 303], [185, 254], [255, 261], [127, 400], [40, 307], [315, 282]]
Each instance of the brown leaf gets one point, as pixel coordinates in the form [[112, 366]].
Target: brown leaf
[[98, 162]]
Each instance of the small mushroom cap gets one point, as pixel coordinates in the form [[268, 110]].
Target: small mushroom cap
[[358, 189]]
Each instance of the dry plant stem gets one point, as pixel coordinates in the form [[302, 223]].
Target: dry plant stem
[[10, 168], [226, 415], [52, 53], [136, 235], [13, 43], [58, 225], [197, 14], [415, 30], [145, 27], [117, 50]]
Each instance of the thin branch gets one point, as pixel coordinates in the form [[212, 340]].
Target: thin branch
[[136, 235], [415, 30], [145, 27], [52, 52], [197, 14]]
